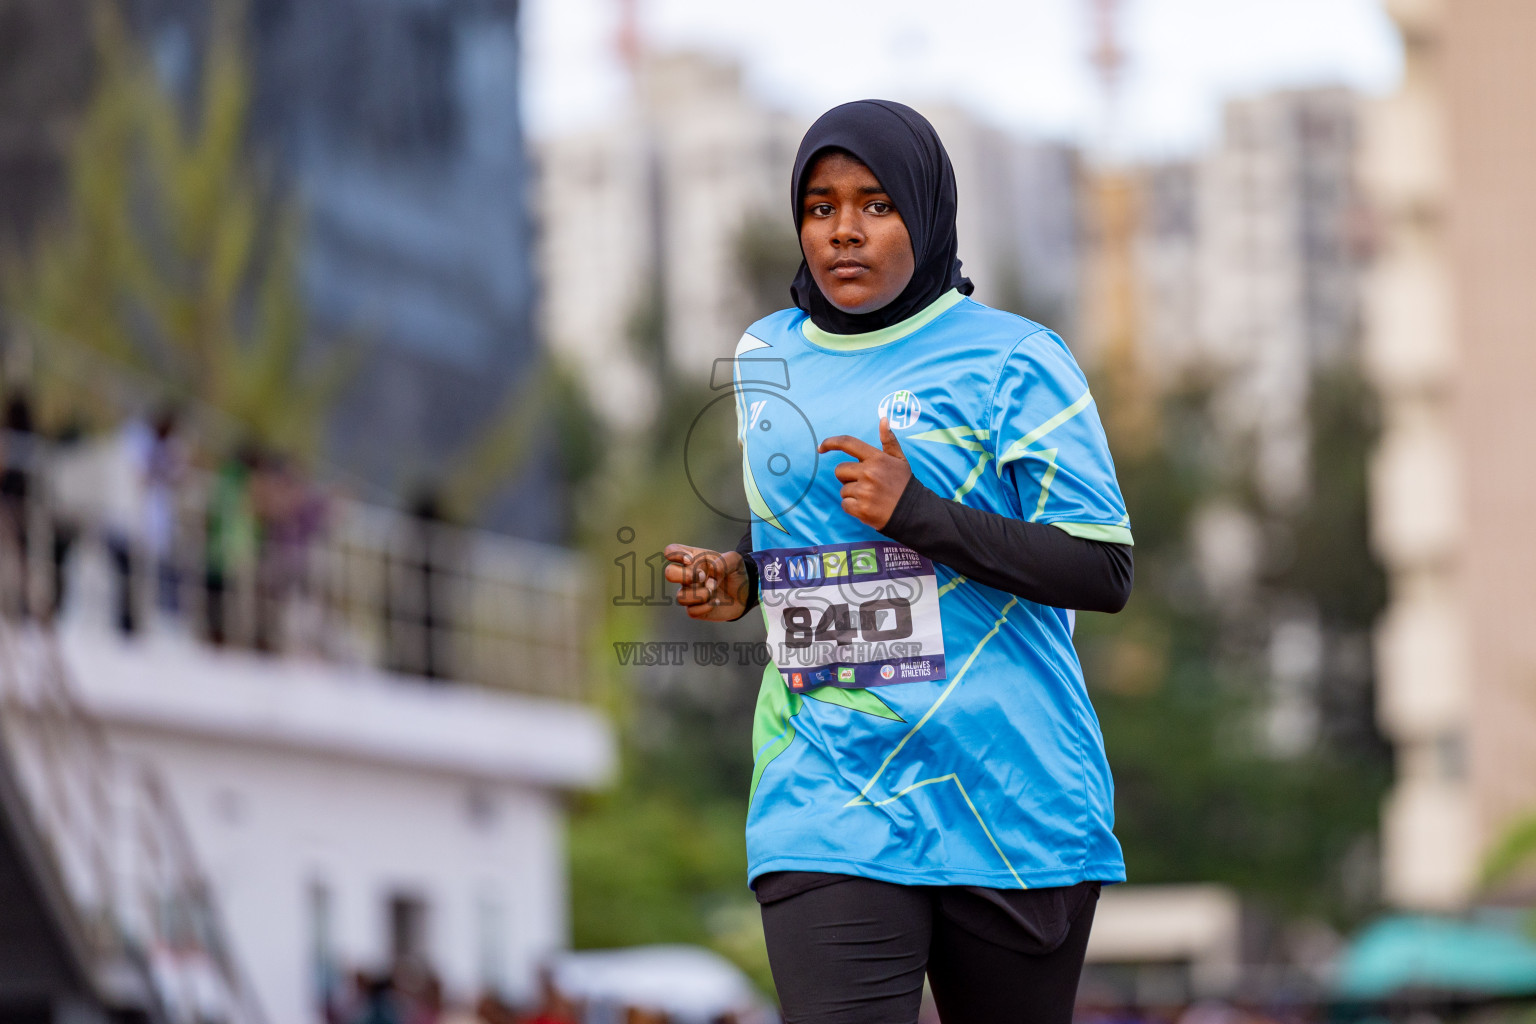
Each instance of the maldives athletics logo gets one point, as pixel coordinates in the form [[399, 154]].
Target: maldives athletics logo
[[902, 409]]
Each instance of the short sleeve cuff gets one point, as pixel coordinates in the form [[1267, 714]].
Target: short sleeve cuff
[[1098, 531]]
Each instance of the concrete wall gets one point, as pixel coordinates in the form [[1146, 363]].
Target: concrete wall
[[269, 825], [295, 778], [1450, 319], [1491, 93]]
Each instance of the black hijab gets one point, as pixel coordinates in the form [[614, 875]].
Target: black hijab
[[904, 152]]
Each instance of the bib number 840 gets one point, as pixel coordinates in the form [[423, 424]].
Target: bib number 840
[[836, 624]]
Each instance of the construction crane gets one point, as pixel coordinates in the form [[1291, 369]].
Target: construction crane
[[1111, 318]]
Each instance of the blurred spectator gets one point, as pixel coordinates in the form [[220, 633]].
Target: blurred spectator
[[491, 1010], [379, 1004], [18, 456], [289, 515], [554, 1007], [231, 542], [418, 992], [64, 526], [427, 1006], [98, 486], [125, 463], [1211, 1011], [164, 472], [131, 526], [416, 601]]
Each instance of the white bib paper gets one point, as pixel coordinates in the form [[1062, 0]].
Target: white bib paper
[[851, 615]]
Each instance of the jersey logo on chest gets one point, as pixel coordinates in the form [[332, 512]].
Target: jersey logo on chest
[[901, 408]]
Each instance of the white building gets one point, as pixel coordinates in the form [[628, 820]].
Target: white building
[[1251, 263], [252, 828], [1019, 222], [641, 217], [351, 819], [1448, 347]]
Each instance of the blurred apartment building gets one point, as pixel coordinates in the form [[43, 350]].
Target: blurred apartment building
[[647, 222], [1245, 278], [1019, 219], [641, 222], [1249, 263], [398, 127], [1451, 318]]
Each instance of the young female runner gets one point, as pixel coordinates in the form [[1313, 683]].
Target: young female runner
[[931, 491]]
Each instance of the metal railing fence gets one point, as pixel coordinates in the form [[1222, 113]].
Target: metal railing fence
[[250, 555]]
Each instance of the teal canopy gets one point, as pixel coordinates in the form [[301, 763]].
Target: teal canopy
[[1399, 954]]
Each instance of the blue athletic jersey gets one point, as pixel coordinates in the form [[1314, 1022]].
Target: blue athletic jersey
[[994, 774]]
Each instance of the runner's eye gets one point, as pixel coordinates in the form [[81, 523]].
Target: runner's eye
[[821, 210], [879, 207]]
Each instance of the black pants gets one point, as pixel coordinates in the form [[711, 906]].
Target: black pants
[[855, 952]]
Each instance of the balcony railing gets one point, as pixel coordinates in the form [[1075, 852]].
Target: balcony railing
[[253, 556]]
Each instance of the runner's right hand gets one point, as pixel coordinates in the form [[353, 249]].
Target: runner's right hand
[[713, 584]]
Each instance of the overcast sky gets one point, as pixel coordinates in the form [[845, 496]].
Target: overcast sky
[[1019, 63]]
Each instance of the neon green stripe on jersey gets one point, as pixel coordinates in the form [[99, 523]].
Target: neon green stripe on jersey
[[1097, 531], [856, 342], [1020, 448]]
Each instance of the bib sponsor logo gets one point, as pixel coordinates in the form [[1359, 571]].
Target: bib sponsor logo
[[902, 558], [864, 561], [902, 408], [774, 571], [834, 563], [845, 674], [796, 681], [804, 567], [887, 672]]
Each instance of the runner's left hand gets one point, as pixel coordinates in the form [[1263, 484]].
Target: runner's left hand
[[871, 486]]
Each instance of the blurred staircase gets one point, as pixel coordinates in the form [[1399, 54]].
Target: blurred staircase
[[104, 914]]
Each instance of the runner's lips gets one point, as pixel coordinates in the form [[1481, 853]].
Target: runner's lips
[[848, 268]]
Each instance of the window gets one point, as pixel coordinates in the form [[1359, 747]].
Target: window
[[407, 928], [325, 976]]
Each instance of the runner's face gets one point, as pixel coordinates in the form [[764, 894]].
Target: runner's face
[[854, 241]]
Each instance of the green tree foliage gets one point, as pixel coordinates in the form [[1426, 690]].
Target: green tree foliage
[[174, 260], [662, 856], [768, 255], [1515, 851], [1179, 679], [1512, 859]]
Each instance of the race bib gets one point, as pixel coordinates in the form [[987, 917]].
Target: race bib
[[851, 615]]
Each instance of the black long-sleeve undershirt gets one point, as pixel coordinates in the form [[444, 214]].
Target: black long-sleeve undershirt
[[1034, 561]]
